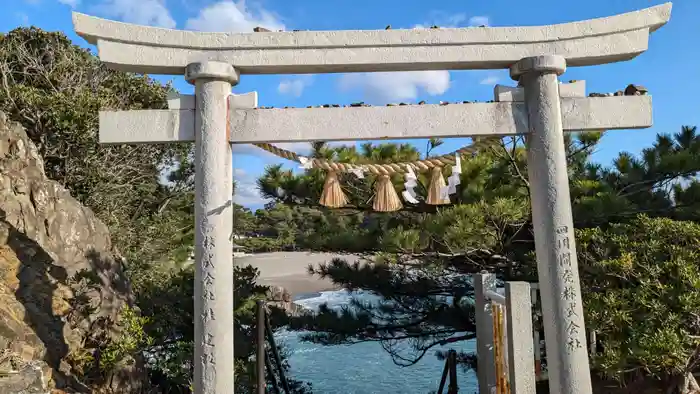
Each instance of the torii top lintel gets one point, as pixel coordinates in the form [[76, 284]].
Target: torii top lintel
[[144, 49]]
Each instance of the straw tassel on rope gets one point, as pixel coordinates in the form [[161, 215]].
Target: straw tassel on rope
[[437, 182], [333, 195], [386, 199]]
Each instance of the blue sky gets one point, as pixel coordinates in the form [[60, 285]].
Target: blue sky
[[669, 69]]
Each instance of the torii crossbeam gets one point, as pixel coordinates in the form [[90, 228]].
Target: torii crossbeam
[[542, 109]]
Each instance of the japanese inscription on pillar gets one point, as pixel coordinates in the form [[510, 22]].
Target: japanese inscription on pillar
[[207, 315], [207, 354], [569, 295]]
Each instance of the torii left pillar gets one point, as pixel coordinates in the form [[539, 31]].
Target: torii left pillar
[[213, 284]]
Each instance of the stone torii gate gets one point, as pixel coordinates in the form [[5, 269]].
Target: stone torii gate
[[214, 119]]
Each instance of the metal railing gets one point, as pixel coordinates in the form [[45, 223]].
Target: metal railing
[[264, 363], [451, 371]]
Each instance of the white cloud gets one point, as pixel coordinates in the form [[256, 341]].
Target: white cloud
[[23, 18], [387, 87], [294, 87], [246, 193], [142, 12], [384, 87], [479, 20], [70, 3], [490, 80], [442, 19], [227, 15], [248, 196], [455, 20]]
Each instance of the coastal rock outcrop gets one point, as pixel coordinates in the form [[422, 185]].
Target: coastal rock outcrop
[[60, 281], [281, 298]]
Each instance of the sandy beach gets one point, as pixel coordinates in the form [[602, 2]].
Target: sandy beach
[[289, 270]]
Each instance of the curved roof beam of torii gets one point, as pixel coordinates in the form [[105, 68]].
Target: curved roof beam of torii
[[153, 50]]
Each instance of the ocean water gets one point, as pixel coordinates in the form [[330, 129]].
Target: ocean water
[[364, 368]]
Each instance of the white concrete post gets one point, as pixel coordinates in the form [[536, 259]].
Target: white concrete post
[[521, 357], [562, 309], [213, 287], [486, 367]]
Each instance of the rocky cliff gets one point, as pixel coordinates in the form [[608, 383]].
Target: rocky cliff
[[281, 298], [60, 283]]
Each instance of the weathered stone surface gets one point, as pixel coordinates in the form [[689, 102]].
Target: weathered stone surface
[[151, 50], [360, 122], [280, 297], [47, 238], [20, 377]]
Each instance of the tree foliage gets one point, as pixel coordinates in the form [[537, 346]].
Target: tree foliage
[[635, 269], [642, 296], [426, 254], [144, 193], [55, 90], [171, 348]]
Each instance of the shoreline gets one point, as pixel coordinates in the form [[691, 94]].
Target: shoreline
[[290, 270]]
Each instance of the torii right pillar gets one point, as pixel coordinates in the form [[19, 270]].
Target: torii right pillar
[[552, 220]]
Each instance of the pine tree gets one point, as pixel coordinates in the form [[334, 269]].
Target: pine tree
[[424, 255]]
